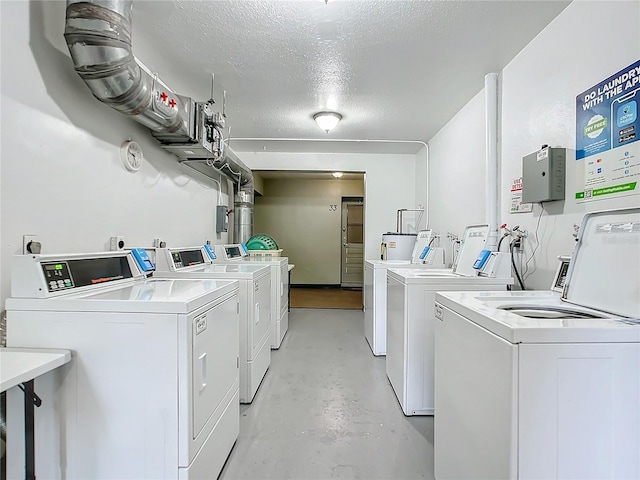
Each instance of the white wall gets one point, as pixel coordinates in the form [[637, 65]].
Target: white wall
[[547, 96], [457, 173], [538, 90], [296, 213], [389, 183], [62, 178]]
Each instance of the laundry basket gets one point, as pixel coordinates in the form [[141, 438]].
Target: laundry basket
[[262, 242]]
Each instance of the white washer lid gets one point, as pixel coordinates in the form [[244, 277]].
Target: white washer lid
[[473, 242], [604, 273]]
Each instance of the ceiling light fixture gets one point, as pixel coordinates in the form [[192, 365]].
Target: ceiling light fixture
[[327, 120], [337, 174]]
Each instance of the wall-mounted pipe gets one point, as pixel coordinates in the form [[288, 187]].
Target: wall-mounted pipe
[[491, 111]]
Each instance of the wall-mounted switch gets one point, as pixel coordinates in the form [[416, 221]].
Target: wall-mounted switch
[[31, 244], [116, 243]]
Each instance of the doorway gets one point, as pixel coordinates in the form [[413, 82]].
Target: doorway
[[352, 235]]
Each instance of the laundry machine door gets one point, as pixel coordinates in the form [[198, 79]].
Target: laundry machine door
[[215, 360], [262, 310], [284, 288]]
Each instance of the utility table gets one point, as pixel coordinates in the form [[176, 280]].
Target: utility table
[[19, 367]]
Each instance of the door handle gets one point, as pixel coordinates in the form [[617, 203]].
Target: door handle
[[203, 370]]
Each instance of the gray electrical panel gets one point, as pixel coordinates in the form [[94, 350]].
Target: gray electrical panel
[[543, 175], [222, 218]]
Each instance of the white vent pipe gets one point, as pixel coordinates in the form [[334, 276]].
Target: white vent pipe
[[491, 111]]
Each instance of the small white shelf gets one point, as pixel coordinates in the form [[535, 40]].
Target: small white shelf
[[19, 365]]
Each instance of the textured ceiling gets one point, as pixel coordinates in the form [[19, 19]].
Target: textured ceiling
[[395, 69]]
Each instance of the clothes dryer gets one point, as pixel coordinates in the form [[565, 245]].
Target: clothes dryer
[[234, 253], [152, 388], [534, 384], [255, 305]]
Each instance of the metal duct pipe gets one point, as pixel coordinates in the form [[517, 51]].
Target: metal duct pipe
[[243, 214], [233, 167], [98, 35]]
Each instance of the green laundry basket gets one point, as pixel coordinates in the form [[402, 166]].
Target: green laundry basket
[[262, 242]]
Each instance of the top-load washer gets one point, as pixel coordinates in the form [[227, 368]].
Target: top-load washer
[[152, 388], [375, 286], [534, 384], [255, 305], [234, 253], [410, 320]]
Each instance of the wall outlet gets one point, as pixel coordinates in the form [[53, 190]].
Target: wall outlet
[[159, 243], [116, 243], [31, 244]]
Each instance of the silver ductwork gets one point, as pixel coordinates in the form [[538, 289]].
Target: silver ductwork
[[98, 35], [243, 214]]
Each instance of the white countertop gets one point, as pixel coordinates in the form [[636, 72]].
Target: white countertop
[[18, 365]]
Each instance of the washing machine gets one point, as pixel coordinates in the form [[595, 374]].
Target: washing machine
[[234, 253], [152, 388], [375, 287], [411, 321], [534, 384], [255, 305]]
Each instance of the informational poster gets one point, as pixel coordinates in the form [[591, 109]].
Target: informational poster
[[516, 198], [607, 128]]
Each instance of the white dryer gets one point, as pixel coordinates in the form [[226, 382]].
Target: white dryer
[[255, 305], [424, 256], [152, 388], [537, 385], [411, 321], [235, 253]]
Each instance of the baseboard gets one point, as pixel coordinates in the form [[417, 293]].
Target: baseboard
[[315, 285]]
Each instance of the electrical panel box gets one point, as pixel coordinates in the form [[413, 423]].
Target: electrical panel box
[[222, 218], [543, 175]]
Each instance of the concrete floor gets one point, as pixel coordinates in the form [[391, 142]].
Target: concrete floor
[[326, 410]]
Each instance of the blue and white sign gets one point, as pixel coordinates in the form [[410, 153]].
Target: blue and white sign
[[607, 128]]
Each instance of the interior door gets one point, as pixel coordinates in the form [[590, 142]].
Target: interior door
[[352, 242]]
